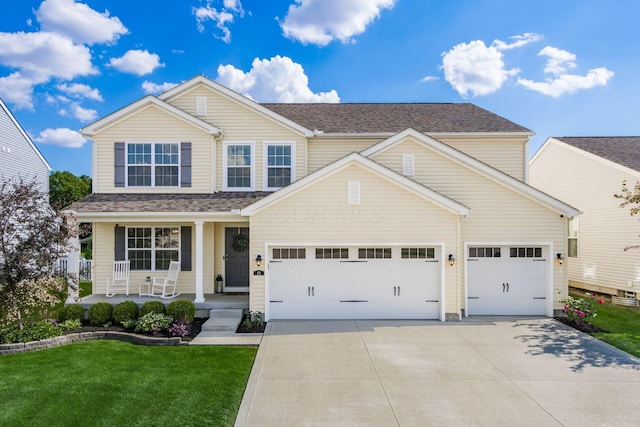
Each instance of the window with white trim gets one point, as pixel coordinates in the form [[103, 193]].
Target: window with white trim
[[279, 164], [238, 166], [152, 248], [572, 240], [153, 165]]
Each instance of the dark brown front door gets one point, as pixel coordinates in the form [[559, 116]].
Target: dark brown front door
[[236, 261]]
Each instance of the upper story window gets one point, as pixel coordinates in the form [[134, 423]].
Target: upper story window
[[153, 165], [279, 161], [238, 166], [572, 241]]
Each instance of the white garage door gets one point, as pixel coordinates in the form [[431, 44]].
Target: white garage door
[[334, 282], [507, 280]]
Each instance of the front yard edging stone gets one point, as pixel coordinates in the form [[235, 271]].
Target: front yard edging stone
[[87, 336]]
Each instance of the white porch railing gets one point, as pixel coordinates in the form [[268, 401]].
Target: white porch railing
[[84, 268]]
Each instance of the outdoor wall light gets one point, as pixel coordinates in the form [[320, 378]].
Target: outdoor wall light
[[560, 258], [259, 260], [452, 260]]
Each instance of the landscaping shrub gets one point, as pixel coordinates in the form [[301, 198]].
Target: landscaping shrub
[[71, 312], [35, 331], [153, 323], [125, 311], [100, 313], [70, 324], [152, 307], [182, 310], [181, 328]]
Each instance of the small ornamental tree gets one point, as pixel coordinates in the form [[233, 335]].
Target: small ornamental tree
[[32, 238], [630, 198]]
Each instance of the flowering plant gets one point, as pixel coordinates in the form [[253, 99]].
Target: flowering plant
[[580, 310], [181, 328]]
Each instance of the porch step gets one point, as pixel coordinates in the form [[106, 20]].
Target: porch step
[[223, 319]]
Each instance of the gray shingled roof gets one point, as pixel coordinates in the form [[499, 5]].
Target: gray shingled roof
[[117, 202], [624, 150], [393, 118]]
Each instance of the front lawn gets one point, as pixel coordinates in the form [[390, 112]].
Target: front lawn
[[623, 324], [108, 382]]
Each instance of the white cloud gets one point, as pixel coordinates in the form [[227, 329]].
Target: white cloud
[[61, 137], [17, 90], [278, 79], [84, 114], [221, 18], [79, 22], [153, 88], [559, 61], [138, 62], [520, 40], [429, 79], [322, 21], [80, 90], [475, 68]]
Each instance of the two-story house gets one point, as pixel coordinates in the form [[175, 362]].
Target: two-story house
[[326, 211], [20, 159]]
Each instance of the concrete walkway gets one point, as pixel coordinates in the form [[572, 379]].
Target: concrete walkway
[[483, 372]]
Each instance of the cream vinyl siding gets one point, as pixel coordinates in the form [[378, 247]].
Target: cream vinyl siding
[[589, 184], [154, 125], [104, 249], [507, 153], [498, 213], [320, 213], [325, 150], [239, 123]]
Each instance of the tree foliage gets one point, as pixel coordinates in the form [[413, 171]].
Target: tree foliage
[[630, 199], [32, 238], [66, 188]]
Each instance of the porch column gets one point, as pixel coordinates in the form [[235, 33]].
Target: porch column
[[73, 260], [199, 261]]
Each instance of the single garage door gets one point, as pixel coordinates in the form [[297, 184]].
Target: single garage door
[[507, 280], [337, 282]]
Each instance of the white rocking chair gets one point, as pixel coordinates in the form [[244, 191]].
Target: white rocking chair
[[165, 287], [120, 279]]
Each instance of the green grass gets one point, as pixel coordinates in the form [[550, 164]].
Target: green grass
[[106, 382], [86, 288], [623, 324]]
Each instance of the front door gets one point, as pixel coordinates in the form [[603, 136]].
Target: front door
[[236, 257]]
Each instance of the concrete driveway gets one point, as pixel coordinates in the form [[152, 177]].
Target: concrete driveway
[[486, 372]]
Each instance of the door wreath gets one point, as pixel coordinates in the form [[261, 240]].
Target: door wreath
[[239, 242]]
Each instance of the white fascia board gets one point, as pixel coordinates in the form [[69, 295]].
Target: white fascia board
[[24, 134], [247, 102], [141, 104], [160, 216], [479, 167], [480, 134], [355, 158]]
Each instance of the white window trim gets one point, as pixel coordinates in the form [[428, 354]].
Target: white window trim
[[225, 162], [153, 164], [265, 160], [153, 243], [575, 220]]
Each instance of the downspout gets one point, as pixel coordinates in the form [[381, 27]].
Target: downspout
[[214, 159]]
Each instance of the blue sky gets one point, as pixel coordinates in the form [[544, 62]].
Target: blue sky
[[559, 68]]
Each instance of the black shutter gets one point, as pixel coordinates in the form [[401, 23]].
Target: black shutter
[[185, 164], [120, 244], [119, 164], [185, 244]]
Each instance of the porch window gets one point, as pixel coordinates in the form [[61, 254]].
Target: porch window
[[152, 248], [153, 165], [572, 240], [279, 160], [238, 167]]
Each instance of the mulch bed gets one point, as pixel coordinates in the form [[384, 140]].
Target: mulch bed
[[585, 327], [196, 327], [242, 329]]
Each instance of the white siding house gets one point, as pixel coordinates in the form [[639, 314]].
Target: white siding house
[[19, 157], [586, 172]]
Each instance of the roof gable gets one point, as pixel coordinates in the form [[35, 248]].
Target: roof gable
[[141, 104], [355, 158], [623, 150], [24, 134], [474, 165], [201, 80]]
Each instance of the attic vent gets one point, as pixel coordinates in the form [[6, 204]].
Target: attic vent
[[408, 163], [201, 105], [353, 192]]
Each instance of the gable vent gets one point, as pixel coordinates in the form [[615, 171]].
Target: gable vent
[[201, 105], [408, 164], [353, 192]]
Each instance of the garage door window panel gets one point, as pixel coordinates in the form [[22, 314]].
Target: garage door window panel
[[418, 253], [485, 252], [332, 253], [527, 252], [289, 253], [374, 253]]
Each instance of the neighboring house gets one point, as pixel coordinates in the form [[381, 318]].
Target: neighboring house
[[351, 210], [19, 157], [587, 172]]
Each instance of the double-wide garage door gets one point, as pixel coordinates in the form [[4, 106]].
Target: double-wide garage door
[[337, 282], [507, 280]]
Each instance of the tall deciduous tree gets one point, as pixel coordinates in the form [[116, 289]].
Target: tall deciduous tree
[[66, 188], [631, 200], [32, 238]]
